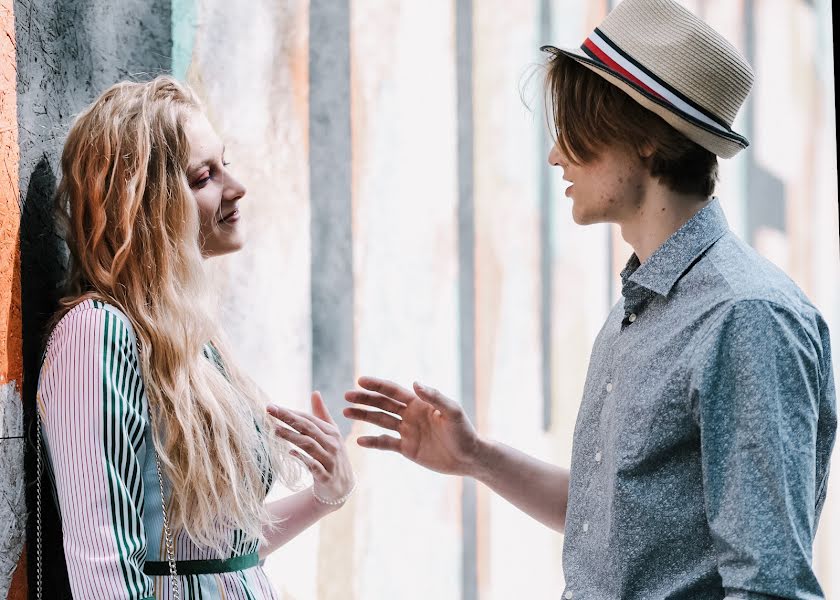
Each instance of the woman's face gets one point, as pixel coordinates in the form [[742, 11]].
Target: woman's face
[[216, 190]]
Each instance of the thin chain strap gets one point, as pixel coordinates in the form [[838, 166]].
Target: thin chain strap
[[170, 550], [38, 549], [167, 533], [39, 566]]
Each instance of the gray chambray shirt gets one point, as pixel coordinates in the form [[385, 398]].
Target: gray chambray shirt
[[701, 449]]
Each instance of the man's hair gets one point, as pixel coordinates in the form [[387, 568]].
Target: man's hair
[[589, 114]]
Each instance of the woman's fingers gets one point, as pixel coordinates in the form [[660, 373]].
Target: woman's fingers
[[380, 442], [304, 422], [320, 410], [375, 400], [317, 469], [384, 420], [387, 388], [306, 443]]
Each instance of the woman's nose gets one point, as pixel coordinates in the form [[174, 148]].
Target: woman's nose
[[235, 190]]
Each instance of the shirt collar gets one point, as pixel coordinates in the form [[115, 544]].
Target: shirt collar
[[664, 268]]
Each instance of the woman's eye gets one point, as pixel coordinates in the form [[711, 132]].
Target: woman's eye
[[200, 183]]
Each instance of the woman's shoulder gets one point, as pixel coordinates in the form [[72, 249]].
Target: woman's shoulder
[[91, 319]]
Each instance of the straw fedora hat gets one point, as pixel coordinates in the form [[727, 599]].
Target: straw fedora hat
[[671, 62]]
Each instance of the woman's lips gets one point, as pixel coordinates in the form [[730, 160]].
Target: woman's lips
[[231, 217]]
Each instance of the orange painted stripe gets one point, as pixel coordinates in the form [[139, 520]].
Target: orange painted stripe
[[11, 340], [11, 345]]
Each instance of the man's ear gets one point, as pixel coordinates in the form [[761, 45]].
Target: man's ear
[[646, 149]]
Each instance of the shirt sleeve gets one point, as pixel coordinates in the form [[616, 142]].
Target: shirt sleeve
[[756, 395], [93, 417]]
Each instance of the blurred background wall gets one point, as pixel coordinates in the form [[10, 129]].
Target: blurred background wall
[[402, 222]]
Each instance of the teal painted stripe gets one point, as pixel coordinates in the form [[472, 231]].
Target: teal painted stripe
[[183, 36], [203, 567]]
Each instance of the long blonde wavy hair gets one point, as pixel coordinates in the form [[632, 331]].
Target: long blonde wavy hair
[[132, 227]]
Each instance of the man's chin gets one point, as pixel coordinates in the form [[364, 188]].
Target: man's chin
[[582, 218]]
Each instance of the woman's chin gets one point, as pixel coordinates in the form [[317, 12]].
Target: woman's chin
[[222, 247]]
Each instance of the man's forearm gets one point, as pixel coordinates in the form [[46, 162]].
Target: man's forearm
[[534, 486]]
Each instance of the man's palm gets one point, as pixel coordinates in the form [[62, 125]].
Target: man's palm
[[434, 432]]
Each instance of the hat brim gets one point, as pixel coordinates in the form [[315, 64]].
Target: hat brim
[[697, 131]]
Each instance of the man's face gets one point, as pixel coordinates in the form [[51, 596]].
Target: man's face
[[607, 189]]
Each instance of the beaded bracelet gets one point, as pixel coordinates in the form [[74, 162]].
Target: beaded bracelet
[[336, 502]]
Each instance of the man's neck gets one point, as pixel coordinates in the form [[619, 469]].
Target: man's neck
[[661, 213]]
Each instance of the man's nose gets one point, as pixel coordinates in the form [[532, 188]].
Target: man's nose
[[555, 157]]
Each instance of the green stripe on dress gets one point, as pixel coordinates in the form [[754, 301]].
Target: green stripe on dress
[[114, 411]]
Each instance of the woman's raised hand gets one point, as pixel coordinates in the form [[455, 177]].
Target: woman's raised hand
[[320, 447], [433, 430]]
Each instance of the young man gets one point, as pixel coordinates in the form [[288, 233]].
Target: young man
[[701, 450]]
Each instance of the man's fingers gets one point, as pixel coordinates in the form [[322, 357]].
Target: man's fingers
[[380, 442], [382, 419], [448, 408], [387, 388], [376, 400]]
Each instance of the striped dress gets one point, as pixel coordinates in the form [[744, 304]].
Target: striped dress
[[98, 448]]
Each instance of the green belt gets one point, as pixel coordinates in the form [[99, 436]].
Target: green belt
[[202, 567]]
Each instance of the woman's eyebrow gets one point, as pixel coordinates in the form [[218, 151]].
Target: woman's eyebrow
[[204, 163]]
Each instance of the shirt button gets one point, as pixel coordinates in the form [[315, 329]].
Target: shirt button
[[632, 317], [609, 387], [568, 595], [598, 456], [585, 527]]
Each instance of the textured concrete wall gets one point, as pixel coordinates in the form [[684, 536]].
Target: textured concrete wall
[[67, 53]]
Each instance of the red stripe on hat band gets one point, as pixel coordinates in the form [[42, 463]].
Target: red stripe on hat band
[[614, 66]]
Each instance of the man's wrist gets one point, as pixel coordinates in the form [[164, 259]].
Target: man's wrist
[[483, 460]]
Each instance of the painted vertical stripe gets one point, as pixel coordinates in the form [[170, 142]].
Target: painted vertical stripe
[[331, 202], [466, 279], [12, 504], [546, 219], [183, 36], [331, 267]]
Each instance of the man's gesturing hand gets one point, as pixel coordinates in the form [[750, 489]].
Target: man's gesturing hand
[[433, 430]]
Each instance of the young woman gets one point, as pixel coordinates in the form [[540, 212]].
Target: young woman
[[161, 450]]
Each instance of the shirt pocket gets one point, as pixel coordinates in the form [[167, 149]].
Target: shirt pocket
[[632, 422]]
